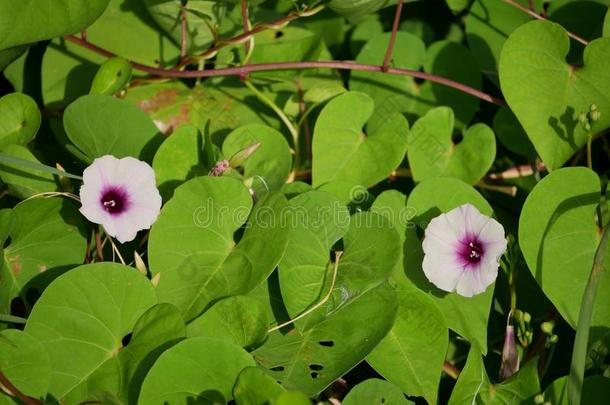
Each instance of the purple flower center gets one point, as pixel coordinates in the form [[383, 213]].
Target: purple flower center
[[472, 250], [114, 200]]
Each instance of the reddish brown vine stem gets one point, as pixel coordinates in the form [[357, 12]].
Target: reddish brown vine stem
[[14, 391], [539, 17], [388, 54], [260, 67]]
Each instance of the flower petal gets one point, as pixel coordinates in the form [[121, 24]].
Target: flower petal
[[142, 199], [442, 270], [476, 279]]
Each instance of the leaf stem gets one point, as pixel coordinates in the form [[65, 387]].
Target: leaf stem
[[261, 67], [451, 370], [388, 54], [579, 353], [294, 132], [14, 391], [319, 304], [534, 14], [590, 152]]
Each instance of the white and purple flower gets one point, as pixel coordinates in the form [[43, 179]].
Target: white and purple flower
[[462, 251], [121, 195]]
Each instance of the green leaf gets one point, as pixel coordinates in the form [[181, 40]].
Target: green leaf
[[178, 159], [201, 16], [319, 221], [457, 6], [595, 391], [68, 69], [583, 18], [111, 77], [201, 370], [45, 238], [344, 330], [511, 134], [241, 320], [391, 93], [432, 152], [101, 125], [399, 357], [192, 248], [357, 8], [255, 387], [466, 316], [45, 20], [22, 181], [7, 222], [292, 398], [548, 95], [488, 25], [473, 385], [375, 392], [343, 152], [19, 119], [399, 93], [7, 56], [84, 315], [271, 161], [558, 236], [158, 329], [25, 363]]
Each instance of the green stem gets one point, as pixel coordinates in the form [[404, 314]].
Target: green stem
[[590, 153], [294, 132], [579, 353], [12, 319]]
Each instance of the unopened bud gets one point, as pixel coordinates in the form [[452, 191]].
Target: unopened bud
[[539, 399], [593, 107], [595, 116], [554, 339], [219, 168], [582, 118], [139, 263], [527, 318], [240, 157], [510, 356], [547, 327]]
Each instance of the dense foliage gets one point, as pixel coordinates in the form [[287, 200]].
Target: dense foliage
[[305, 153]]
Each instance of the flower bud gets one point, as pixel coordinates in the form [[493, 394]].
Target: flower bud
[[595, 116], [547, 327], [539, 399], [510, 356]]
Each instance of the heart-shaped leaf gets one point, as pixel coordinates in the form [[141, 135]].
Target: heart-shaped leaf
[[240, 319], [45, 20], [533, 71], [358, 8], [320, 220], [213, 368], [192, 249], [351, 323], [466, 316], [178, 159], [343, 152], [375, 391], [44, 238], [19, 119], [399, 357], [403, 94], [83, 316], [200, 15], [25, 363], [97, 125], [488, 24], [432, 152], [271, 161], [558, 235], [473, 385]]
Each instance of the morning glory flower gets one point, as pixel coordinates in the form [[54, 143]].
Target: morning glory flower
[[121, 195], [462, 250]]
